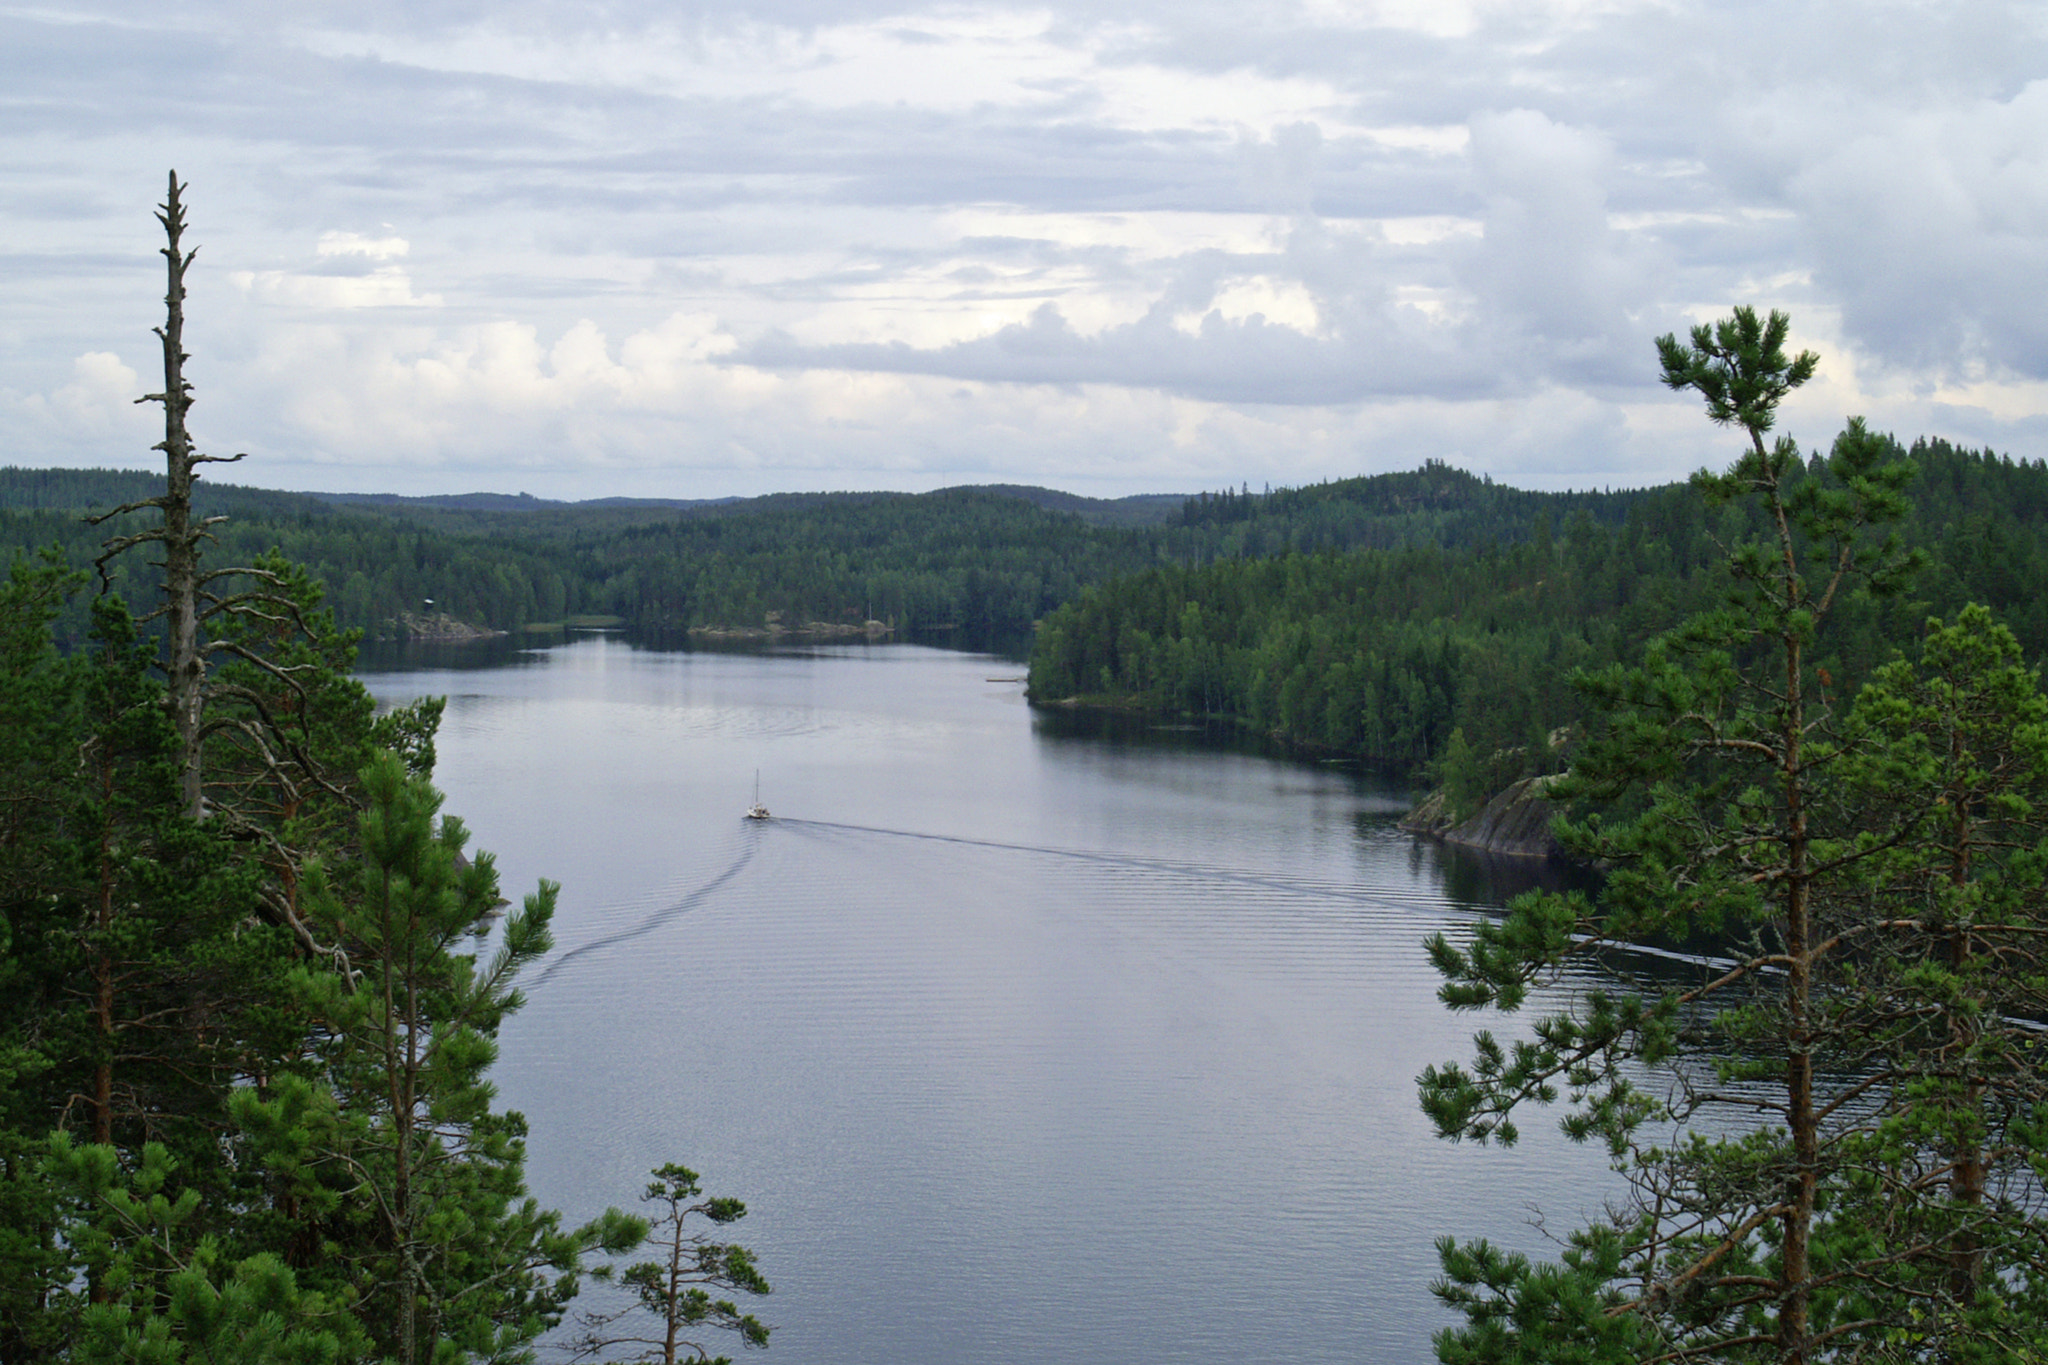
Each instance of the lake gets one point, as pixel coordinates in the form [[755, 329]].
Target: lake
[[1024, 1036]]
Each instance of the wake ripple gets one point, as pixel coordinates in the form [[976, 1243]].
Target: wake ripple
[[1380, 896], [658, 918]]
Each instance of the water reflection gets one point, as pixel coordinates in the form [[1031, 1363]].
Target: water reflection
[[1474, 877], [451, 656]]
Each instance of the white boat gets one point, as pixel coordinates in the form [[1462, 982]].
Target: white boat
[[757, 811]]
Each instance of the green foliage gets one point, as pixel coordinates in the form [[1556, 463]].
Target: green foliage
[[1382, 653], [386, 1147], [1518, 1313], [676, 1290], [1738, 365], [161, 1291], [1864, 997]]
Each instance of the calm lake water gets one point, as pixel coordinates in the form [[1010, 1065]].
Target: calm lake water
[[1024, 1038]]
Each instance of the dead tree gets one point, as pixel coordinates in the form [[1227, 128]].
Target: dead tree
[[176, 532], [209, 614]]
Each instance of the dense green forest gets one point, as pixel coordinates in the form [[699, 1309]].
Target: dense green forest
[[986, 562], [976, 565], [1468, 617]]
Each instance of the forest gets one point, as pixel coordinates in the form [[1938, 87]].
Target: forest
[[1458, 640], [977, 564], [974, 566]]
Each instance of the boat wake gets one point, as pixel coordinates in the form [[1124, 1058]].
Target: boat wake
[[657, 918], [1204, 872]]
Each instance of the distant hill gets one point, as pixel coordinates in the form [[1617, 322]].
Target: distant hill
[[507, 502], [1142, 509], [974, 563]]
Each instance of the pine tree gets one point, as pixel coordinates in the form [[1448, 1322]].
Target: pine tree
[[676, 1289], [1809, 845], [387, 1149]]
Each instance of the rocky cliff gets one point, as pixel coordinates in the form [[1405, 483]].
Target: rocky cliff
[[1515, 823]]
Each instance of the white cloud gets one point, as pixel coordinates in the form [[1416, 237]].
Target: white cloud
[[1549, 259], [1285, 303], [101, 385], [1931, 227], [355, 244], [1145, 235], [386, 286], [950, 60], [94, 409], [778, 244]]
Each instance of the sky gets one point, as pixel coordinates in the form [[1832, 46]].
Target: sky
[[624, 248]]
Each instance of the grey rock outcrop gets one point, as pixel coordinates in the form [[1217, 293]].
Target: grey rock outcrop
[[1515, 823]]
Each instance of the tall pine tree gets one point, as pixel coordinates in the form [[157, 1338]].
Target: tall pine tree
[[1800, 1120]]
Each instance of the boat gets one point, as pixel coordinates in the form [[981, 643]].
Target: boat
[[757, 811]]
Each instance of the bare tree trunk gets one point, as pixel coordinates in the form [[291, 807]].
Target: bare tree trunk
[[178, 532], [397, 1095], [185, 668], [103, 1001]]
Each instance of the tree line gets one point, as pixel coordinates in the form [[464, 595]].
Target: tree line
[[1449, 655], [978, 565]]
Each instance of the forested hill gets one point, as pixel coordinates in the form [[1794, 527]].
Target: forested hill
[[970, 564], [1435, 505], [1386, 654], [1400, 576]]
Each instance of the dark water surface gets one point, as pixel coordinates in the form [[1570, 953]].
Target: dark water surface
[[1022, 1041]]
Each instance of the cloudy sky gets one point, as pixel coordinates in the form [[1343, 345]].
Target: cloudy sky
[[736, 246]]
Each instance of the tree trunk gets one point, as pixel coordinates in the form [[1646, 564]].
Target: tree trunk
[[185, 668], [1793, 1313]]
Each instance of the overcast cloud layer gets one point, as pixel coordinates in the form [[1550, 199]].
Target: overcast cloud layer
[[645, 249]]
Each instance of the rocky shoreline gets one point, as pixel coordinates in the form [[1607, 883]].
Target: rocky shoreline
[[439, 627], [1514, 824], [806, 630]]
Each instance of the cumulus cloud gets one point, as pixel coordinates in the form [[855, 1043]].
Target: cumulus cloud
[[333, 243], [1550, 264], [384, 287], [1930, 227], [785, 243], [93, 409]]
